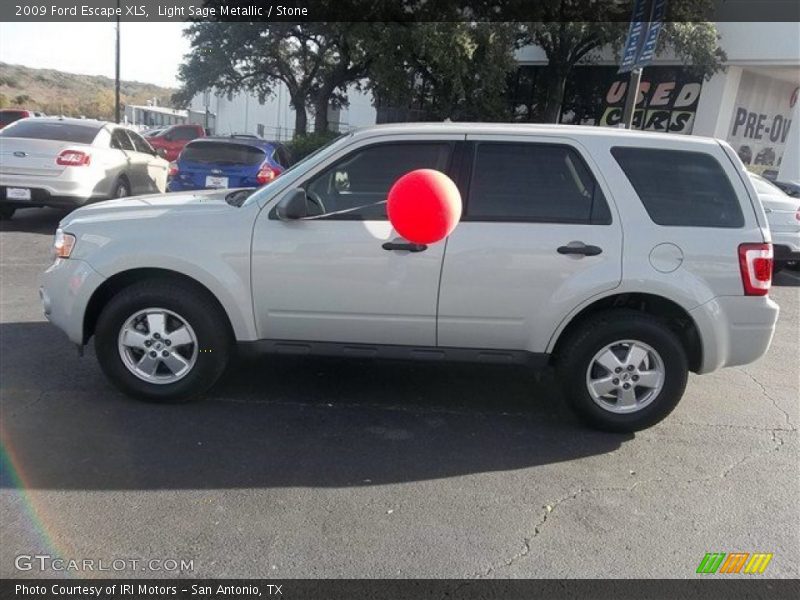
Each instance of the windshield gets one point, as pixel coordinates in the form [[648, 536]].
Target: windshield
[[764, 186], [300, 166]]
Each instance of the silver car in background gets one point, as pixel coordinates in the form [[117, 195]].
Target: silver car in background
[[783, 217], [70, 162]]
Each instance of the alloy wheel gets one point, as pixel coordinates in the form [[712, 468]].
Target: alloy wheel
[[158, 346]]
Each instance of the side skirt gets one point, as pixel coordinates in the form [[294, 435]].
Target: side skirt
[[394, 352]]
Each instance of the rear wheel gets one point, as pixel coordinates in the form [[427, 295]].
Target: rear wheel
[[6, 212], [623, 370], [122, 189], [161, 340]]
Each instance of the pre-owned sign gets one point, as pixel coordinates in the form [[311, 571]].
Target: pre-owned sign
[[761, 120]]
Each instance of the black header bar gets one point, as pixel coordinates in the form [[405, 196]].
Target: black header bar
[[387, 10]]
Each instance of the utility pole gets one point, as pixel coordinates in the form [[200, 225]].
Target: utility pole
[[630, 98], [116, 82]]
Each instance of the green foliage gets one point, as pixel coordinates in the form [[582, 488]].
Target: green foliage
[[3, 101], [303, 145], [21, 99], [315, 61], [445, 70]]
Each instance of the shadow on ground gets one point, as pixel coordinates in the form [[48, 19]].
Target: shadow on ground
[[34, 220], [275, 422]]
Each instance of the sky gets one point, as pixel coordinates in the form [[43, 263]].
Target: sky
[[151, 52]]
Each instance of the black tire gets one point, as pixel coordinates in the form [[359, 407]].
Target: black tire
[[196, 308], [122, 189], [6, 212], [602, 329]]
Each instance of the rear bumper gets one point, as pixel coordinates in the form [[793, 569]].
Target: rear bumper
[[734, 330], [52, 191]]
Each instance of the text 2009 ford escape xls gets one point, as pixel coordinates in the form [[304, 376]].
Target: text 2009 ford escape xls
[[624, 259]]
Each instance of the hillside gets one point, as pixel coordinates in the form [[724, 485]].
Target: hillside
[[70, 94]]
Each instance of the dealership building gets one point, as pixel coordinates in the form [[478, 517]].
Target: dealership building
[[752, 103]]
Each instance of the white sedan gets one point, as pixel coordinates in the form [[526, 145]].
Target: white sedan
[[783, 217], [71, 162]]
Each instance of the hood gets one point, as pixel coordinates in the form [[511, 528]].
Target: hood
[[152, 206]]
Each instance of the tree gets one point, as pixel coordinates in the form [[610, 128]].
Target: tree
[[445, 70], [316, 62], [568, 43]]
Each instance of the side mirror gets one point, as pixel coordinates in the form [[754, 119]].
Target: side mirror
[[160, 152], [292, 206]]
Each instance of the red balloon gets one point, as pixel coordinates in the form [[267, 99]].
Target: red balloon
[[424, 206]]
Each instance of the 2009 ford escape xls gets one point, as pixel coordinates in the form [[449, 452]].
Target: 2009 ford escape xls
[[624, 259]]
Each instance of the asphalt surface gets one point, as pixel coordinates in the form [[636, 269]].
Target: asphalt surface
[[324, 468]]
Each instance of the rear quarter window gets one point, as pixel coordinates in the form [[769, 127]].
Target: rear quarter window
[[681, 188]]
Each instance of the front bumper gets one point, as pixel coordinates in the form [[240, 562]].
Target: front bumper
[[66, 288], [735, 330]]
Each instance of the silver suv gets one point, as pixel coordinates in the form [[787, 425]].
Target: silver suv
[[624, 259]]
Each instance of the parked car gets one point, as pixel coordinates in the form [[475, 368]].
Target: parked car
[[172, 139], [9, 115], [70, 162], [791, 188], [624, 259], [232, 162], [783, 216]]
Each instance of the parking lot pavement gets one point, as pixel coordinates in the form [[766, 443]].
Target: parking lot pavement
[[323, 468]]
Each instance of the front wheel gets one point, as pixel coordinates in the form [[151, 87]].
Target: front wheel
[[163, 341], [623, 370]]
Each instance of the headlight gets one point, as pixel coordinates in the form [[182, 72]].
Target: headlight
[[63, 244]]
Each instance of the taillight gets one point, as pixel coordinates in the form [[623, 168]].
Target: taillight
[[755, 263], [73, 158], [267, 174], [173, 169], [797, 214]]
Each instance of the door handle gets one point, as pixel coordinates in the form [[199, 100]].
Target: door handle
[[579, 248], [403, 245]]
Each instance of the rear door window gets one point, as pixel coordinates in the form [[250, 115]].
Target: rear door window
[[223, 153], [680, 188], [52, 130], [533, 182]]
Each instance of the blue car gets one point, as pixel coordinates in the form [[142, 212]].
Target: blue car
[[227, 162]]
